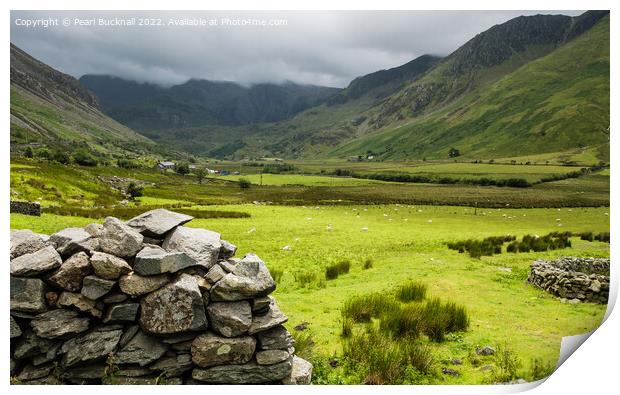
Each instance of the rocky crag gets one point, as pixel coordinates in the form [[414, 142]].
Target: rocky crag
[[148, 301], [573, 279]]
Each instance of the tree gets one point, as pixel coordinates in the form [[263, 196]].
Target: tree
[[84, 158], [126, 164], [453, 153], [28, 152], [44, 153], [134, 190], [60, 157], [244, 183], [200, 174], [182, 168]]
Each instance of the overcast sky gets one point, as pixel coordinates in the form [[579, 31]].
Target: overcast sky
[[317, 47]]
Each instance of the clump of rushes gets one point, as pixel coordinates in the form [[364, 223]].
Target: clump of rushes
[[478, 248], [363, 308], [405, 322], [305, 278], [440, 318], [347, 328], [367, 264], [277, 274], [383, 361], [411, 291], [333, 271]]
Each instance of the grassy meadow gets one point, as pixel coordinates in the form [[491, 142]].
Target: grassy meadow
[[78, 186], [315, 222]]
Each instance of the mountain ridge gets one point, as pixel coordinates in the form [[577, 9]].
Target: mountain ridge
[[201, 102], [50, 108]]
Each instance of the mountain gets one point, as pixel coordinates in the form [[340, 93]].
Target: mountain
[[533, 85], [214, 118], [382, 83], [151, 108], [53, 109], [555, 102]]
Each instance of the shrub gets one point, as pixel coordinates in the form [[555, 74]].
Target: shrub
[[478, 248], [603, 237], [411, 291], [367, 264], [134, 190], [493, 245], [28, 152], [60, 157], [200, 174], [278, 168], [244, 183], [513, 247], [126, 164], [591, 236], [182, 168], [84, 158], [44, 153]]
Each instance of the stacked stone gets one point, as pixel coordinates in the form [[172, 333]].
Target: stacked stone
[[27, 208], [148, 301], [574, 279]]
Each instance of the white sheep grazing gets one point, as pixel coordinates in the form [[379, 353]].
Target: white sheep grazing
[[365, 229], [286, 248], [252, 230]]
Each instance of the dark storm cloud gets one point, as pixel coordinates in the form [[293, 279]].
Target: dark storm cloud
[[317, 47]]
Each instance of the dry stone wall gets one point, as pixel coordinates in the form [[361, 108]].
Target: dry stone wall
[[574, 279], [147, 301], [27, 208]]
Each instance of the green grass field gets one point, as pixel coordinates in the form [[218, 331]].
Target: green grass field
[[408, 242], [75, 186], [299, 179]]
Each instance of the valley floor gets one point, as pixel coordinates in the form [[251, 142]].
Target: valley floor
[[408, 242]]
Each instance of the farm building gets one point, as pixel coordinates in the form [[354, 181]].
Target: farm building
[[165, 165]]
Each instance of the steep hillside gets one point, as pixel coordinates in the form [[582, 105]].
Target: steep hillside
[[484, 59], [49, 108], [555, 103], [449, 104], [382, 83], [199, 103]]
